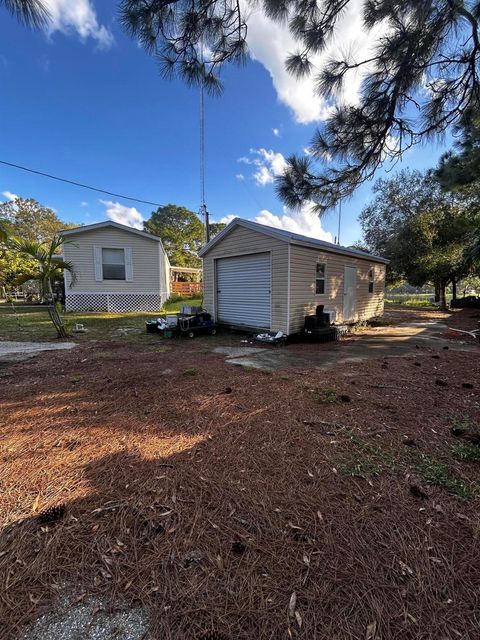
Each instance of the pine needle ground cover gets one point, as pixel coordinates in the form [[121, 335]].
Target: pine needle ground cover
[[235, 504]]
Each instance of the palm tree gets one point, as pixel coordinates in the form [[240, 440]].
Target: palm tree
[[50, 264], [32, 13]]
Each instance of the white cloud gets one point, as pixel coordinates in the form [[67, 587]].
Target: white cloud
[[128, 216], [276, 132], [228, 219], [84, 204], [263, 176], [305, 221], [240, 176], [9, 195], [268, 163], [271, 42], [77, 17]]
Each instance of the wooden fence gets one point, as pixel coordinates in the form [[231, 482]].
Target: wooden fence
[[186, 288]]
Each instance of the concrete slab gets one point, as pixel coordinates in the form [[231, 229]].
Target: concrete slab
[[237, 352], [381, 342], [16, 351]]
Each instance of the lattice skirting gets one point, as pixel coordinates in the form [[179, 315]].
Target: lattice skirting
[[114, 302]]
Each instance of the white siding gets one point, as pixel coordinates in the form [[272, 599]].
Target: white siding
[[145, 262], [303, 299], [242, 241]]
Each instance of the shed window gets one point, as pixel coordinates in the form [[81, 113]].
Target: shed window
[[113, 264], [320, 278], [371, 280]]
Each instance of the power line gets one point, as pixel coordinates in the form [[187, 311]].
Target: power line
[[79, 184]]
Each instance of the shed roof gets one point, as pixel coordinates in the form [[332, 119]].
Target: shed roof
[[109, 223], [291, 238]]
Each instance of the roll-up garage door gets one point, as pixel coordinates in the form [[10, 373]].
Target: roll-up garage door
[[244, 290]]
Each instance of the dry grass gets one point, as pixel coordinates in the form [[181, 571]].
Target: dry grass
[[246, 512]]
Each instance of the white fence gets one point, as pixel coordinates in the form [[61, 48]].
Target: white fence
[[115, 302]]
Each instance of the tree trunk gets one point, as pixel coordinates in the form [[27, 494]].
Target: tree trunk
[[454, 288], [443, 297], [437, 290]]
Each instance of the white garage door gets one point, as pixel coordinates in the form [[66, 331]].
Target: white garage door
[[244, 290]]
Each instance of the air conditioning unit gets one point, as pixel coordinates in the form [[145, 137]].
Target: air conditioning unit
[[332, 314]]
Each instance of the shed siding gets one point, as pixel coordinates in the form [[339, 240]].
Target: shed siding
[[242, 241], [146, 262], [303, 299]]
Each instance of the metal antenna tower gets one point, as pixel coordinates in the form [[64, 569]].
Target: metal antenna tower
[[339, 220], [203, 207]]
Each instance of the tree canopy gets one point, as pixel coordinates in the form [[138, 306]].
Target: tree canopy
[[181, 232], [29, 221], [420, 228], [419, 77], [459, 169]]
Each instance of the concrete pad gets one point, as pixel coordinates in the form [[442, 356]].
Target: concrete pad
[[237, 352], [381, 342], [16, 351]]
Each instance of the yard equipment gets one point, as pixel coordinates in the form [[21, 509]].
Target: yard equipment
[[185, 323]]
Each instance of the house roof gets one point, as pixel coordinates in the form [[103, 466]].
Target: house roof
[[109, 223], [291, 238]]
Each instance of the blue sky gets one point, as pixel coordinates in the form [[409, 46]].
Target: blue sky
[[85, 102]]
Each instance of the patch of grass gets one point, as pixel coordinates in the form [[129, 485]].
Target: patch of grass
[[366, 468], [365, 459], [174, 304], [33, 323], [466, 451], [189, 372], [412, 299], [438, 474], [462, 424], [161, 348], [409, 303], [327, 396]]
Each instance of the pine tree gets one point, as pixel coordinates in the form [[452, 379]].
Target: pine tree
[[420, 79]]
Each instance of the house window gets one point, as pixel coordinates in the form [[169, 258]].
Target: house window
[[113, 264], [371, 280], [320, 279]]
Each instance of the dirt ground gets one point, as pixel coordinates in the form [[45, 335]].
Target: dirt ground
[[314, 504]]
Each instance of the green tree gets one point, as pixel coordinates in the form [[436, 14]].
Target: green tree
[[181, 231], [418, 79], [459, 172], [27, 219], [459, 169], [420, 228], [215, 228]]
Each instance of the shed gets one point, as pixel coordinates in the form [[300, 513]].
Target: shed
[[117, 269], [266, 278]]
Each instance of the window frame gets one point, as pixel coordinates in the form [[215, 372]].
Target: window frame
[[124, 279], [321, 279], [371, 280]]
